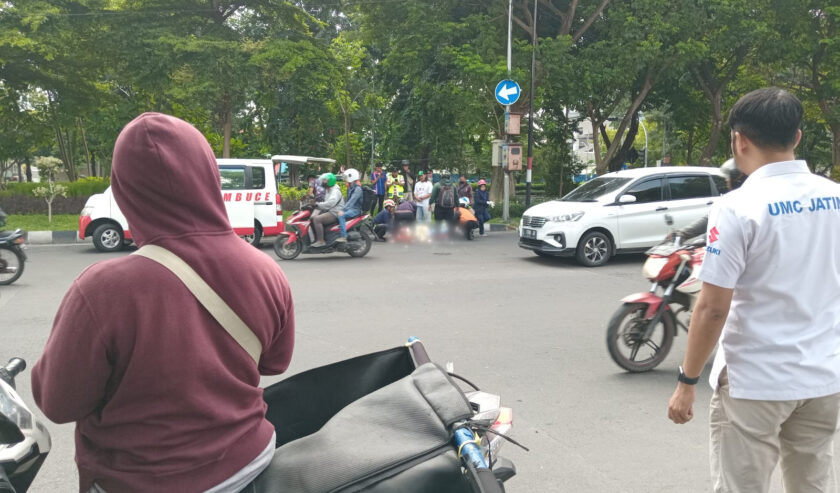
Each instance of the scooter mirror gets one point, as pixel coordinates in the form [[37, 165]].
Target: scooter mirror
[[9, 431], [669, 220]]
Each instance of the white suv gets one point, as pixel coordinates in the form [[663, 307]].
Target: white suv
[[620, 212]]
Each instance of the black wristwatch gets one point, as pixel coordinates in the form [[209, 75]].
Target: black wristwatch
[[688, 381]]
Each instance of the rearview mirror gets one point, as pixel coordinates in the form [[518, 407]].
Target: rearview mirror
[[626, 199]]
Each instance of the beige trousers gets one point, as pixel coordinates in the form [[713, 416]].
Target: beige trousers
[[748, 437]]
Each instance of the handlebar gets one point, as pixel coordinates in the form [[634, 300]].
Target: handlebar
[[11, 370], [473, 459]]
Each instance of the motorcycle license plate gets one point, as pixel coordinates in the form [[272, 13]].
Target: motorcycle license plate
[[529, 233]]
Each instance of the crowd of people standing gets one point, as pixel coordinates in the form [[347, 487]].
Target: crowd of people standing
[[402, 197]]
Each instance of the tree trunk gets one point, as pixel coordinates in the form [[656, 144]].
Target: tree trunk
[[631, 114], [621, 156], [28, 170], [87, 151], [70, 138], [346, 137], [227, 125], [714, 132], [835, 151], [690, 150], [600, 167]]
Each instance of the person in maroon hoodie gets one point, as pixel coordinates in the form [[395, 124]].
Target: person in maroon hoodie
[[164, 399]]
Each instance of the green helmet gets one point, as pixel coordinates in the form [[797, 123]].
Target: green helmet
[[329, 178]]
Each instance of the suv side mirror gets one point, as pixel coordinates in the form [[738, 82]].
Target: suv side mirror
[[627, 199]]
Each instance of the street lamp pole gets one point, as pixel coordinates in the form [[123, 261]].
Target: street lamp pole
[[531, 110]]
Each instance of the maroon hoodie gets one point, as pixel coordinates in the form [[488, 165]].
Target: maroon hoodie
[[164, 399]]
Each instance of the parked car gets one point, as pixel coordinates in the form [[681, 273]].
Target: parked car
[[620, 212]]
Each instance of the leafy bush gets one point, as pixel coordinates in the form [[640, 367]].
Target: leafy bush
[[291, 193], [84, 187], [516, 209]]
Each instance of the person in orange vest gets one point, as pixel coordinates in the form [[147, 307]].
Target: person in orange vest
[[466, 218]]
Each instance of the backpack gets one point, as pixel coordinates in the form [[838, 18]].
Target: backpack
[[446, 197], [368, 196]]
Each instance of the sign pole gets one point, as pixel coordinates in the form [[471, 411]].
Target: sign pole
[[531, 110], [506, 202]]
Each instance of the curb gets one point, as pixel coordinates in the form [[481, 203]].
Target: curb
[[500, 227], [53, 237]]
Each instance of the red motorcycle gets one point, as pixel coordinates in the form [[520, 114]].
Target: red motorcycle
[[642, 330], [299, 237]]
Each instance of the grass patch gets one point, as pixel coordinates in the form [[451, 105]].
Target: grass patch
[[513, 221], [38, 222]]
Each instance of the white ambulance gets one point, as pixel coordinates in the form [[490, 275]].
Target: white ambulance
[[249, 190]]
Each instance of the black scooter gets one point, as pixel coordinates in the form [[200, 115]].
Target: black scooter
[[12, 256]]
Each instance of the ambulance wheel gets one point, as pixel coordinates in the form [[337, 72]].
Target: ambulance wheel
[[108, 237], [254, 239], [363, 248], [284, 251]]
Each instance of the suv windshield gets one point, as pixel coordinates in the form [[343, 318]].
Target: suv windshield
[[592, 190]]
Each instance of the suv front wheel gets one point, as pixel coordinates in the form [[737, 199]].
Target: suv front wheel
[[594, 249]]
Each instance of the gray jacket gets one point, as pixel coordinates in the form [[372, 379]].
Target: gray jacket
[[333, 201]]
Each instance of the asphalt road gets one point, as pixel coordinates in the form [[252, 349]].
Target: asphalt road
[[527, 328]]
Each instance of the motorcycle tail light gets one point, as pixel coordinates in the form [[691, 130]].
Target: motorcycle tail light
[[19, 241]]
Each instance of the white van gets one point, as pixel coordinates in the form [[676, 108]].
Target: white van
[[249, 190], [620, 212]]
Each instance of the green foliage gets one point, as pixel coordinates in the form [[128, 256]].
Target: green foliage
[[291, 193], [40, 222], [84, 187]]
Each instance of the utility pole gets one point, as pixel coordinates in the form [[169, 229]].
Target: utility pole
[[531, 109], [506, 205]]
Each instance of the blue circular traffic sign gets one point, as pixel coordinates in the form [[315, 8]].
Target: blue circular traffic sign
[[507, 92]]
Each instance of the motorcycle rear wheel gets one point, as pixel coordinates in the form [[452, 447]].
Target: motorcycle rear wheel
[[623, 332], [362, 250], [287, 251], [11, 265]]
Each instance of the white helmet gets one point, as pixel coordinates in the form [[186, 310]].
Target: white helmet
[[464, 201], [351, 175]]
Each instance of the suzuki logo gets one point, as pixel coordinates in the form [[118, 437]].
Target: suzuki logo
[[713, 235]]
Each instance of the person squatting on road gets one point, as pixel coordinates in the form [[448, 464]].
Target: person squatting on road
[[164, 399], [422, 193], [328, 209], [383, 223], [771, 294], [353, 207], [482, 201]]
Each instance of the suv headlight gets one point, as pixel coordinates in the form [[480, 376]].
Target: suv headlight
[[563, 218]]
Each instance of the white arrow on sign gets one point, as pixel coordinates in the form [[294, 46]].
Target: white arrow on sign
[[507, 91]]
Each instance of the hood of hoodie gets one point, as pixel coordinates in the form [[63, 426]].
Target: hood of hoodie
[[165, 180]]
